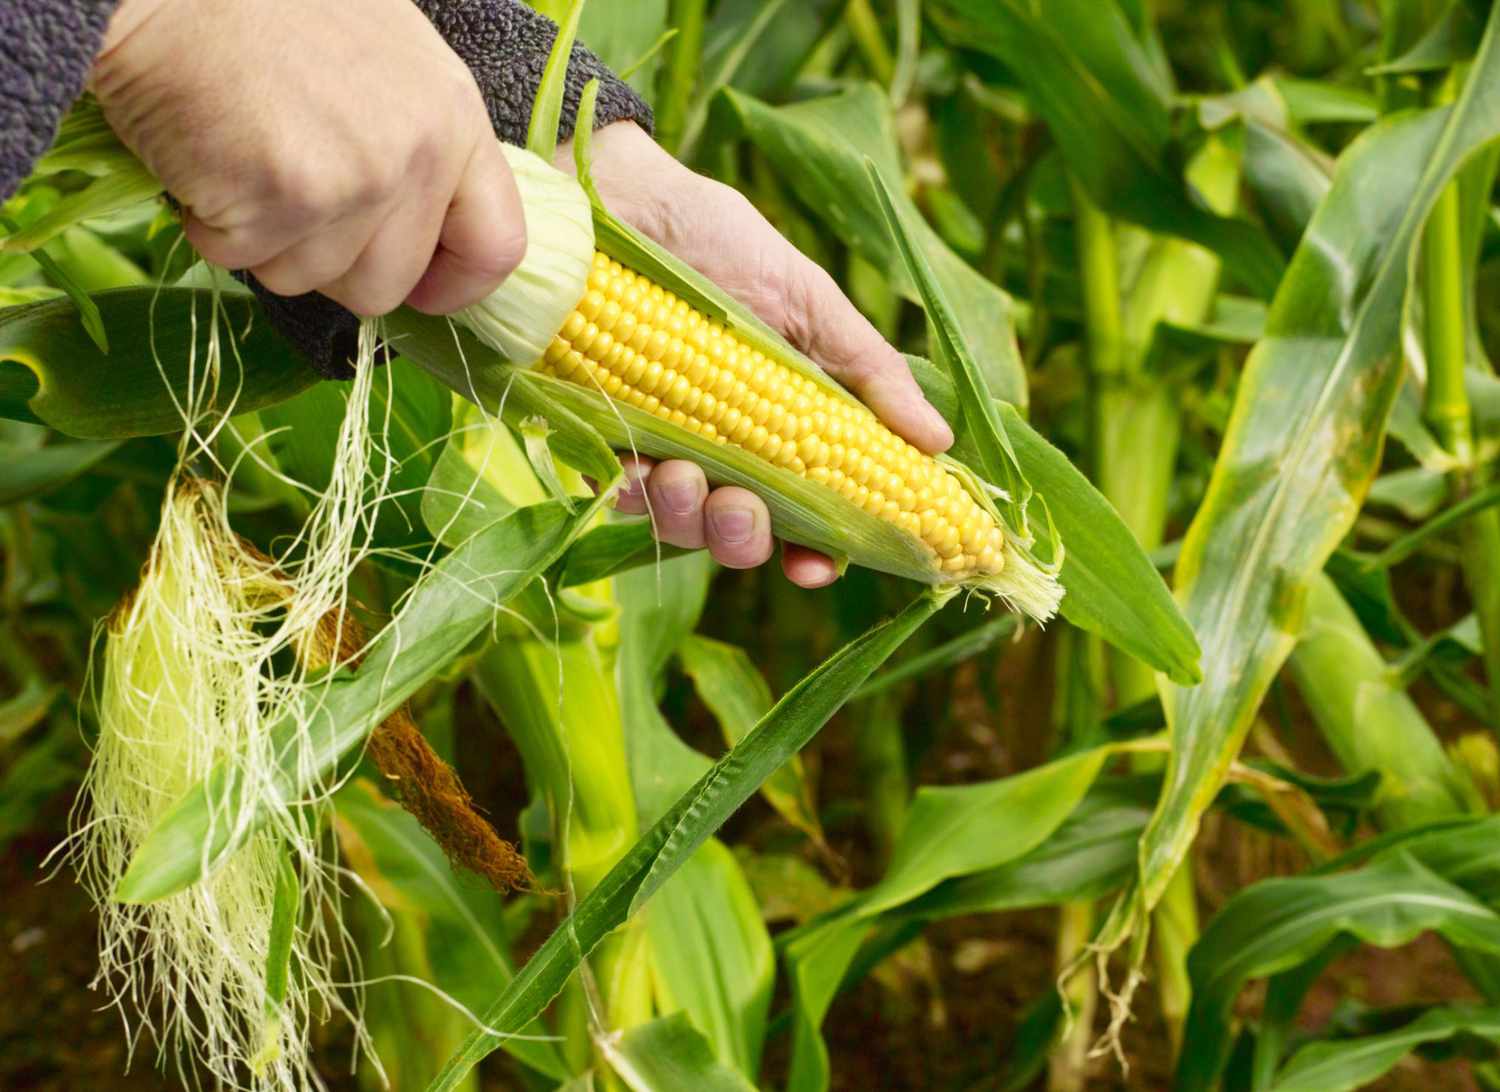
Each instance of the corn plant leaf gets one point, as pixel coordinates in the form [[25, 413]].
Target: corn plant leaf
[[711, 956], [1366, 717], [659, 607], [737, 694], [88, 310], [1348, 1064], [52, 372], [950, 653], [820, 146], [670, 1055], [710, 952], [613, 548], [817, 957], [1310, 102], [128, 183], [452, 604], [1093, 82], [1278, 923], [404, 868], [546, 109], [979, 413], [794, 720], [1113, 588], [1465, 853], [950, 832], [1452, 38], [410, 417], [40, 771], [1234, 320], [1285, 993], [35, 471], [286, 909], [626, 37], [1302, 447], [759, 47], [1090, 855], [24, 710]]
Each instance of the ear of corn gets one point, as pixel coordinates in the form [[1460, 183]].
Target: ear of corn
[[678, 383]]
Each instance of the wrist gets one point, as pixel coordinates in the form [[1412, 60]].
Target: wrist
[[636, 177], [129, 16]]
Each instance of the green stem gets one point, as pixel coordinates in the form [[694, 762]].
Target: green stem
[[1479, 542], [574, 754], [1099, 274], [1366, 717], [1447, 410], [1136, 428], [686, 55], [1447, 401], [1174, 929], [1067, 1066], [865, 27], [880, 751]]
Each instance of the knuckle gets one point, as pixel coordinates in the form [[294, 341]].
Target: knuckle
[[367, 303], [231, 250], [378, 181], [283, 279], [501, 254], [300, 190], [379, 298], [509, 248]]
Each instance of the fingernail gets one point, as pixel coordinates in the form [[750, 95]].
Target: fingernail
[[732, 525], [679, 497]]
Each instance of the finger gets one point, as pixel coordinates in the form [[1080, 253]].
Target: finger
[[483, 237], [394, 259], [737, 527], [807, 568], [240, 247], [321, 258], [677, 490], [822, 322], [631, 499]]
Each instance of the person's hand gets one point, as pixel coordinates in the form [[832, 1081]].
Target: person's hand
[[717, 230], [336, 147]]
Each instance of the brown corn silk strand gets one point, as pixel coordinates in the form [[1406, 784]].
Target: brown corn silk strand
[[426, 786]]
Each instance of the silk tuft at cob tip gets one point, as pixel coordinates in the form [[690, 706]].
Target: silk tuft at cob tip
[[576, 314]]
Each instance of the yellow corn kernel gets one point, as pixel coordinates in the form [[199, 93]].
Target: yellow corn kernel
[[649, 349]]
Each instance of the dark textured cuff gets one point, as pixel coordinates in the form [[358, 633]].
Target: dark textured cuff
[[46, 50], [505, 45]]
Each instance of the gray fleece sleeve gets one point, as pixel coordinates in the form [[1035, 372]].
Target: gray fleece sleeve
[[46, 50], [505, 44]]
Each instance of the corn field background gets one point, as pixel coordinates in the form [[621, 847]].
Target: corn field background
[[1213, 284]]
